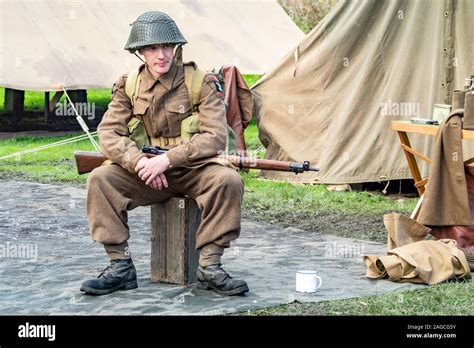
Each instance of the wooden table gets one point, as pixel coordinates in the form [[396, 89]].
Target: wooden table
[[404, 127]]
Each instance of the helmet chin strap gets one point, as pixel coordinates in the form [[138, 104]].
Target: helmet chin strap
[[135, 53], [178, 56]]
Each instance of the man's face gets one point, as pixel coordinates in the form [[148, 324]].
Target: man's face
[[158, 58]]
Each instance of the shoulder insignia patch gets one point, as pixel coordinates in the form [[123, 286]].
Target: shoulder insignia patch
[[215, 81]]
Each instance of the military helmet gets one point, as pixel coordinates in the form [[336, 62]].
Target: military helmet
[[153, 28]]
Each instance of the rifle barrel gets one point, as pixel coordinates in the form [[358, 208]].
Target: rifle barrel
[[249, 162]]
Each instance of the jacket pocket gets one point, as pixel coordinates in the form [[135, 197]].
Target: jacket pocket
[[140, 106], [176, 111]]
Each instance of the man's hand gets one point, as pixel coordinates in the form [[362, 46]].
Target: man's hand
[[159, 182], [151, 171]]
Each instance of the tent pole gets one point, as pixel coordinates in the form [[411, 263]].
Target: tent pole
[[81, 122]]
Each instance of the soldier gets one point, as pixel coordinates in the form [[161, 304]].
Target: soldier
[[160, 102]]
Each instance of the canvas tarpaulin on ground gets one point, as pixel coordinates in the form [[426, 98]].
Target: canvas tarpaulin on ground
[[79, 44], [367, 63]]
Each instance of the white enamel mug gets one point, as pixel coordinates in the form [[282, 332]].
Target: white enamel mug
[[308, 281]]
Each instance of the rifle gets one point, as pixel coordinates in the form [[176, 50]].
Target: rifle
[[87, 161]]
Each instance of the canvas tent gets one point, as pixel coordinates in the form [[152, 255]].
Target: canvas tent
[[79, 44], [331, 100]]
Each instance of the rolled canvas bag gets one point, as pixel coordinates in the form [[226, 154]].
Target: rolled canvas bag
[[423, 262]]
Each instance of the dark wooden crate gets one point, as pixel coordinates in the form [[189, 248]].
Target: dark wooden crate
[[174, 258]]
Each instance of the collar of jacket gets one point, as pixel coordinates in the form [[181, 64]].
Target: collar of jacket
[[166, 80]]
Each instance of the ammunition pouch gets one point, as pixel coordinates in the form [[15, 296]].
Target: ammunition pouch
[[190, 126], [137, 132]]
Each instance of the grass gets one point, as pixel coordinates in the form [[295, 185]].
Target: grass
[[251, 79], [47, 166], [442, 299], [266, 195], [316, 210], [252, 141]]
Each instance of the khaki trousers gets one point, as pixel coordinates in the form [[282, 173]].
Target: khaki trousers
[[112, 191]]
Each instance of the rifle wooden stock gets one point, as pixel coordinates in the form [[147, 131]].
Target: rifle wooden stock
[[88, 161]]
